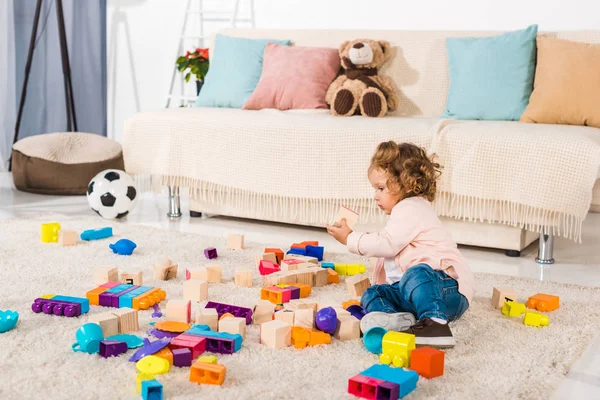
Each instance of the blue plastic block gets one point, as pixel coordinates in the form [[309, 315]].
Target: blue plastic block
[[95, 234], [126, 300], [328, 265], [315, 251], [300, 252], [85, 303], [152, 390], [197, 330], [119, 288], [407, 380]]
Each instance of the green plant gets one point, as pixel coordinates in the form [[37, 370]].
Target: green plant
[[196, 62]]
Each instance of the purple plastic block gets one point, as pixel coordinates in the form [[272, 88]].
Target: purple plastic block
[[56, 307], [182, 357], [222, 346], [210, 253], [241, 312], [161, 334], [357, 311], [295, 292], [110, 348], [156, 313], [105, 299], [387, 391], [115, 297]]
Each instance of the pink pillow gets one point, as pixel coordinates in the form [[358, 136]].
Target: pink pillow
[[294, 77]]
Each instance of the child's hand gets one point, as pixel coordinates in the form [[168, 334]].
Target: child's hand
[[340, 231]]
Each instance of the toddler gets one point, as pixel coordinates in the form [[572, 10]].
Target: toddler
[[420, 271]]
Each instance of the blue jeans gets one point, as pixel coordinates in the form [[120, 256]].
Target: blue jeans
[[422, 291]]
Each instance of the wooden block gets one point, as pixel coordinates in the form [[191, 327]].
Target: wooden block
[[165, 269], [67, 238], [278, 254], [357, 284], [195, 290], [306, 259], [304, 317], [277, 278], [276, 334], [285, 315], [500, 295], [350, 216], [341, 312], [332, 276], [233, 325], [304, 277], [179, 310], [348, 328], [243, 278], [128, 319], [207, 316], [199, 273], [132, 278], [235, 242], [106, 273], [320, 276], [290, 264], [263, 311], [299, 304], [107, 321], [215, 274]]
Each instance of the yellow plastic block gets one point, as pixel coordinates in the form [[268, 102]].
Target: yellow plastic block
[[49, 232], [513, 309], [282, 285], [152, 365], [139, 378], [533, 318], [341, 269], [352, 269], [208, 359], [47, 296], [396, 348]]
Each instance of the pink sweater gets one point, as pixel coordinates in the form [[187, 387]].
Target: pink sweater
[[413, 235]]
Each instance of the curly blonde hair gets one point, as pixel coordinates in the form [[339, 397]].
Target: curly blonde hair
[[408, 167]]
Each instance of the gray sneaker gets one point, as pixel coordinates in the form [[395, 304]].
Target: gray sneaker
[[391, 321]]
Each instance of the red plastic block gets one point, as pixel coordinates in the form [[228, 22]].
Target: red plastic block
[[267, 267], [427, 362], [196, 344], [363, 387]]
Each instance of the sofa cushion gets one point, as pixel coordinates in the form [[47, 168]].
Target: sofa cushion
[[234, 71], [491, 78], [567, 84], [294, 77]]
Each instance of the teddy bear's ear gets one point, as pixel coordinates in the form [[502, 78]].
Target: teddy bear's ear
[[385, 46], [344, 48]]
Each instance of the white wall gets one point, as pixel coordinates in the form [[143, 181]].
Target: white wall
[[143, 34]]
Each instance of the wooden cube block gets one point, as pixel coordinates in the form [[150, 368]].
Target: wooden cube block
[[348, 328], [243, 278], [179, 310], [165, 269], [106, 273], [357, 284], [67, 238], [128, 319], [132, 278], [350, 216], [320, 276], [288, 264], [279, 255], [300, 304], [308, 259], [208, 316], [276, 334], [341, 312], [500, 295], [195, 290], [285, 315], [233, 325], [304, 317], [107, 321], [265, 256], [305, 277], [263, 311], [215, 274], [427, 362], [235, 242], [196, 273]]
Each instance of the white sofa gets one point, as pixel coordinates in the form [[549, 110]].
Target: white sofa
[[274, 165]]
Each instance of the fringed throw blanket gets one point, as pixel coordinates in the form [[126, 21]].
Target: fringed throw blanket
[[527, 175]]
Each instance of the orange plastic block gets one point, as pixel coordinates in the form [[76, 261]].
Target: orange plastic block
[[274, 294], [332, 276], [427, 362], [278, 253], [146, 300], [349, 303], [304, 289], [543, 302], [94, 295], [172, 326], [212, 374], [318, 337], [165, 353], [304, 244], [300, 337], [226, 315]]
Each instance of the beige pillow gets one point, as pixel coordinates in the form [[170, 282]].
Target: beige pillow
[[566, 89]]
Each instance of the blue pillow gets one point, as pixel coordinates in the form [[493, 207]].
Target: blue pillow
[[234, 71], [491, 78]]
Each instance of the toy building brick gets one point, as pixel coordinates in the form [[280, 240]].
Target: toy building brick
[[243, 278], [208, 316], [320, 276], [235, 242], [179, 310], [132, 278], [276, 334], [279, 255], [501, 295], [210, 253], [108, 321], [207, 373], [350, 216], [128, 319], [304, 317], [289, 264], [165, 269], [357, 284], [427, 362], [215, 274], [543, 302], [348, 328], [106, 273], [195, 290], [196, 273], [67, 238], [263, 312], [233, 325], [285, 315]]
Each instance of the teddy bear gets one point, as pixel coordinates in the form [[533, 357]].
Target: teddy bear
[[361, 90]]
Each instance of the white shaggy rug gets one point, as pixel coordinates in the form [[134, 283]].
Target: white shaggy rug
[[495, 357]]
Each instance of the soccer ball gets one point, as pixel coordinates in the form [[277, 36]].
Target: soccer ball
[[112, 194]]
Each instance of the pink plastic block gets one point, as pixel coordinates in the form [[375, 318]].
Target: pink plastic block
[[267, 267]]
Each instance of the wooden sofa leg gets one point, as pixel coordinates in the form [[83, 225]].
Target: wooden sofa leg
[[512, 253], [174, 204], [545, 248]]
